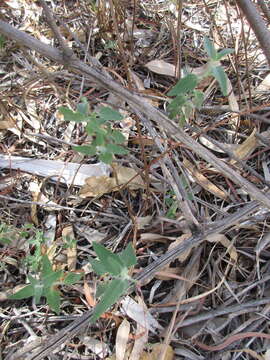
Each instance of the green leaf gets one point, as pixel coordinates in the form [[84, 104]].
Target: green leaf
[[118, 137], [107, 113], [111, 262], [116, 149], [99, 140], [101, 288], [51, 279], [2, 41], [128, 256], [86, 149], [102, 252], [97, 266], [223, 53], [184, 85], [53, 300], [106, 157], [46, 266], [5, 240], [48, 276], [115, 289], [198, 98], [93, 126], [210, 49], [38, 292], [26, 292], [175, 106], [219, 74], [83, 107], [70, 115], [72, 278]]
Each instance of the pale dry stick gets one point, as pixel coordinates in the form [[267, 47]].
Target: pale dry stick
[[137, 103], [250, 306]]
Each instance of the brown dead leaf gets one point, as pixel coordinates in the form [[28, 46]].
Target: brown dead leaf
[[246, 148], [203, 181], [225, 242], [99, 185], [161, 67]]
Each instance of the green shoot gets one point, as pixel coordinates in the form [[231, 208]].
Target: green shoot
[[106, 141], [117, 266], [187, 98]]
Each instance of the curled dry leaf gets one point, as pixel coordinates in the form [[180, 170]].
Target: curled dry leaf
[[140, 314], [99, 185], [225, 242], [203, 181], [246, 148], [140, 342], [122, 339]]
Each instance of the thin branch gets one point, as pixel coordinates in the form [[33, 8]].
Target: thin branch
[[257, 24]]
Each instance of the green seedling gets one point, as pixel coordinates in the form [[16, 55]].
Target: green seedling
[[172, 202], [106, 141], [116, 266], [46, 285], [5, 231], [2, 42], [187, 98]]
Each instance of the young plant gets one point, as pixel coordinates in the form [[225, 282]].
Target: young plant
[[106, 141], [5, 231], [46, 285], [116, 266], [187, 98]]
